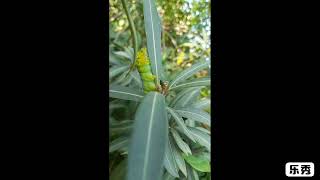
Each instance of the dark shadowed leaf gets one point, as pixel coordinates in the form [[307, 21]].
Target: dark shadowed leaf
[[119, 172]]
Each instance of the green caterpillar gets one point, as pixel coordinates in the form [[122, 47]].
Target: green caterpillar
[[143, 65]]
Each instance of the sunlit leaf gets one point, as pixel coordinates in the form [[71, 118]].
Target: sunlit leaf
[[198, 163]]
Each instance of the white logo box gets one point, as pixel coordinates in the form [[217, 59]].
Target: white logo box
[[299, 173]]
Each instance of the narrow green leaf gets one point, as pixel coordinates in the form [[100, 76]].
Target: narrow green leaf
[[199, 82], [136, 77], [125, 93], [181, 94], [115, 70], [169, 161], [123, 54], [195, 115], [113, 59], [121, 79], [202, 104], [188, 73], [188, 98], [179, 160], [201, 137], [118, 143], [198, 163], [126, 81], [149, 139], [203, 130], [122, 126], [181, 124], [152, 24], [130, 52], [179, 141]]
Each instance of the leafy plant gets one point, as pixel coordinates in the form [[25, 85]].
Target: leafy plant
[[159, 124]]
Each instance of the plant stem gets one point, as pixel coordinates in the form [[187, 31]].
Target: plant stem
[[133, 32]]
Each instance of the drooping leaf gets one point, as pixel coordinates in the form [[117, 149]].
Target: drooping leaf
[[180, 123], [199, 82], [169, 161], [149, 139], [201, 137], [130, 52], [123, 54], [203, 130], [118, 144], [195, 115], [136, 77], [121, 79], [125, 93], [181, 94], [202, 104], [122, 126], [188, 98], [188, 73], [152, 24], [179, 160], [115, 70], [198, 163], [126, 81], [179, 141]]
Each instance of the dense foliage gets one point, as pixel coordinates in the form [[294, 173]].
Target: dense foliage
[[159, 96]]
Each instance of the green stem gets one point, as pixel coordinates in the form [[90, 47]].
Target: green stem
[[133, 32]]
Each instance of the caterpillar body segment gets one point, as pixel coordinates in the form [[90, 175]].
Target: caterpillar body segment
[[144, 69]]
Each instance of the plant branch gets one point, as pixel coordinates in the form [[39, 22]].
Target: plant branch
[[133, 32]]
